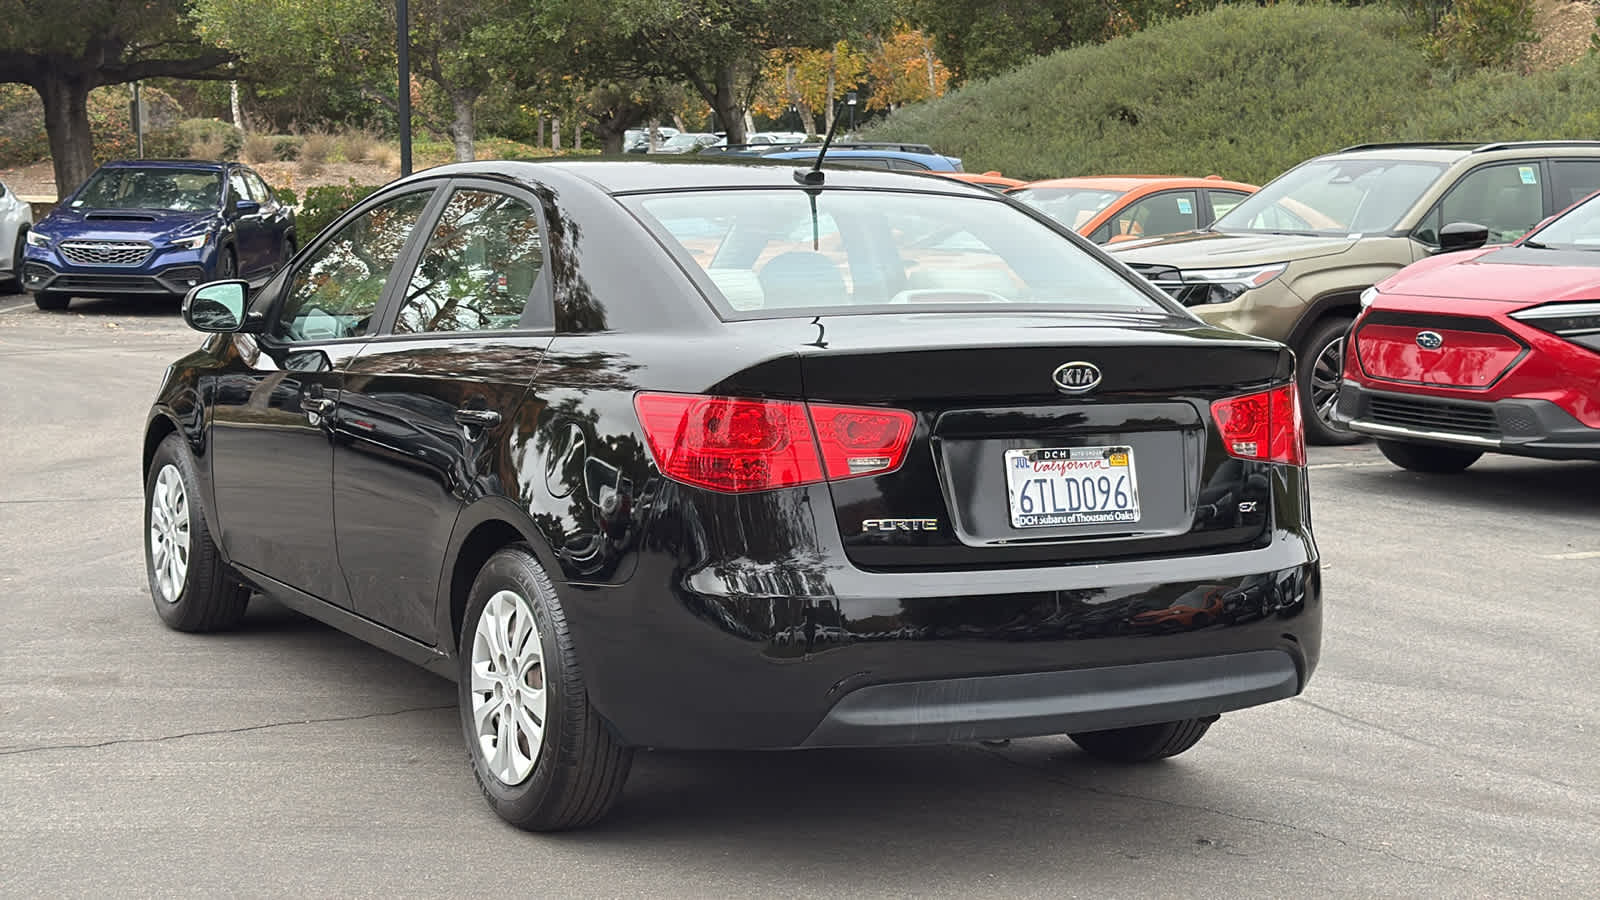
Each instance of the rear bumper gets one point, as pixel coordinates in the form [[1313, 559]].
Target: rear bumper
[[746, 656], [1094, 699], [1522, 427]]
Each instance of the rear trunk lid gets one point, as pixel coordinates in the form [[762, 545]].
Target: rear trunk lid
[[997, 441]]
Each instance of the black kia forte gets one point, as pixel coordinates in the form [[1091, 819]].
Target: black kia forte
[[732, 456]]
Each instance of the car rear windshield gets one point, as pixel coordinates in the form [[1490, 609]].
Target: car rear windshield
[[1335, 196], [1577, 229], [178, 190], [792, 252], [1072, 207]]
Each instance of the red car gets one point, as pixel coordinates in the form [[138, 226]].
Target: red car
[[1487, 350]]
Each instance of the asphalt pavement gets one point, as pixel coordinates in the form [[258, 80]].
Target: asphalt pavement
[[1449, 744]]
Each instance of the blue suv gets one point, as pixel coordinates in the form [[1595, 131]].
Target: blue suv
[[147, 228]]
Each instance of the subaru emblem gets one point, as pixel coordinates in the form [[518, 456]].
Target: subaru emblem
[[1077, 377], [1430, 340]]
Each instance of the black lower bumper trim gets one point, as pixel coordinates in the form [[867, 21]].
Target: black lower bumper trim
[[1030, 705], [1521, 426]]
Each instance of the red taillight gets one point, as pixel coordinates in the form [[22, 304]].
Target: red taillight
[[737, 445], [861, 441], [1264, 426]]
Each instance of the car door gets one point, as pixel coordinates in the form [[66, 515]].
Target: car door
[[1167, 212], [249, 228], [1506, 197], [275, 224], [425, 406], [273, 408]]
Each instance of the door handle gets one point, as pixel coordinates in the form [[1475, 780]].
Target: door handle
[[478, 418], [319, 406]]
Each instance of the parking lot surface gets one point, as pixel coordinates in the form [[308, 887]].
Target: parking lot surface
[[1449, 744]]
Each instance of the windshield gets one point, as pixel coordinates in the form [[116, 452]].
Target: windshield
[[793, 252], [178, 190], [1577, 229], [1072, 207], [1335, 196]]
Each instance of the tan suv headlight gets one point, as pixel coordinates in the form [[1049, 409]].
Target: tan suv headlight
[[1203, 286]]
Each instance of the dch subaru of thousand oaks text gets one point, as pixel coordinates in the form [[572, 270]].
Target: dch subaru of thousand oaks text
[[839, 458]]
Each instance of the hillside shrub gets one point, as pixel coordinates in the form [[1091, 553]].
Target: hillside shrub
[[211, 135], [1476, 34], [257, 148], [322, 205]]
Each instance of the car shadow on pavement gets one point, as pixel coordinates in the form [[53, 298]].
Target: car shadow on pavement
[[1497, 483], [124, 307]]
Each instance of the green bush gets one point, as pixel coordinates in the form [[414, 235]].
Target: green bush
[[285, 147], [212, 132], [1479, 33], [285, 196], [1243, 92], [324, 204]]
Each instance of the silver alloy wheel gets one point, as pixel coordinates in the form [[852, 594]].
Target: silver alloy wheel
[[1326, 373], [169, 533], [508, 695]]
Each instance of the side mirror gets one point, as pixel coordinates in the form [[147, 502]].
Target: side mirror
[[217, 307], [1462, 236], [247, 207]]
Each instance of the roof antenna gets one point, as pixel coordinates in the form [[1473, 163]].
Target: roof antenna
[[814, 174]]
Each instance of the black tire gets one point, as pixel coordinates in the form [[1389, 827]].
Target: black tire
[[581, 766], [50, 301], [209, 598], [1431, 458], [14, 283], [227, 264], [1314, 373], [1143, 743]]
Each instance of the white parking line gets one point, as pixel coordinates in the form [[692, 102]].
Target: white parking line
[[1359, 465], [23, 305], [1581, 554]]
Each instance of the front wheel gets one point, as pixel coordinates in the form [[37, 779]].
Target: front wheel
[[191, 585], [227, 264], [1320, 368], [1431, 458], [1143, 743], [15, 282], [50, 301], [542, 756]]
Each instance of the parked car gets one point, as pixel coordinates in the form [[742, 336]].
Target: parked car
[[686, 142], [16, 217], [147, 228], [1496, 350], [1290, 262], [869, 156], [1109, 209], [992, 180], [637, 140], [818, 528]]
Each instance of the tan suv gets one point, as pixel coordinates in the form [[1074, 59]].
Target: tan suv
[[1291, 261]]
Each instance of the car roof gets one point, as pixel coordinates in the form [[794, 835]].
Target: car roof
[[1126, 183], [167, 164], [992, 179], [861, 153], [635, 176]]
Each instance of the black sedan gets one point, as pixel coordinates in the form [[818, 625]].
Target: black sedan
[[728, 456]]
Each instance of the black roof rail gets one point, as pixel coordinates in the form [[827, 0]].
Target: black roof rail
[[885, 145], [1508, 145], [1395, 145]]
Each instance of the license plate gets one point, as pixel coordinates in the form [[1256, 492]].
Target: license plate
[[1071, 486]]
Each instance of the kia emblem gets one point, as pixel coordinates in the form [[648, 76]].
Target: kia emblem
[[1430, 340], [1077, 377]]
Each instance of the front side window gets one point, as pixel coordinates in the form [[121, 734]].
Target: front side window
[[336, 290], [478, 268], [783, 252], [155, 188], [238, 188], [1508, 199], [259, 192], [1168, 212], [1336, 196]]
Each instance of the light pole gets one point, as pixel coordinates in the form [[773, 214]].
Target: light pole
[[403, 50]]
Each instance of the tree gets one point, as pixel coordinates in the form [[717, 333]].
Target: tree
[[903, 68], [718, 47], [65, 48]]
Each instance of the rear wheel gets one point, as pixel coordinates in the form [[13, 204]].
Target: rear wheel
[[51, 301], [15, 282], [1320, 362], [1431, 458], [543, 758], [1143, 743], [191, 585]]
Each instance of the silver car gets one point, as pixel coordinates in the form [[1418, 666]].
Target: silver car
[[16, 217]]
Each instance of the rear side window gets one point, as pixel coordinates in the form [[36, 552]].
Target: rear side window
[[1574, 179], [788, 252]]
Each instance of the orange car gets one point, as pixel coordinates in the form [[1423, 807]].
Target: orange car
[[1111, 208], [986, 179]]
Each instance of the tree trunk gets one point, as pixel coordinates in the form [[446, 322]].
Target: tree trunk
[[555, 133], [463, 127], [725, 102], [678, 123], [540, 142], [828, 108], [653, 136], [577, 137], [233, 103], [66, 121]]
